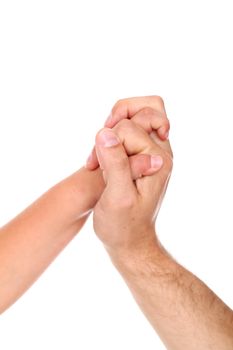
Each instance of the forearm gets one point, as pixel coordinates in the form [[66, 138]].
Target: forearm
[[30, 242], [186, 314]]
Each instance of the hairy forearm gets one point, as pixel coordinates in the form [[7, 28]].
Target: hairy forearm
[[30, 242], [186, 314]]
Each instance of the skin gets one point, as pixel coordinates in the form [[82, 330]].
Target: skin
[[186, 314], [182, 309], [41, 231], [147, 111]]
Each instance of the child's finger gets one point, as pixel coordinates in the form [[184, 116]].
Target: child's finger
[[127, 108], [148, 119], [148, 112], [158, 120], [140, 164], [153, 120], [144, 165], [92, 161]]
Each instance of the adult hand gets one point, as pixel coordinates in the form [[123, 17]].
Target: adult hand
[[124, 217]]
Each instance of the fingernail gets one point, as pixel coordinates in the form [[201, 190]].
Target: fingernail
[[108, 119], [156, 162], [166, 134], [107, 138], [89, 159]]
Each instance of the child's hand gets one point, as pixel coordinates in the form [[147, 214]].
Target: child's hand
[[147, 112]]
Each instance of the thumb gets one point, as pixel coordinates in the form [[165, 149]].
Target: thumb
[[114, 161]]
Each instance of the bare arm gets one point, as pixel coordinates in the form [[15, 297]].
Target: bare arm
[[186, 314], [30, 242], [33, 239]]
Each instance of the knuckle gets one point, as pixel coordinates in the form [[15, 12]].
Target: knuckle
[[166, 122], [160, 101], [148, 111], [123, 124], [118, 107], [167, 164]]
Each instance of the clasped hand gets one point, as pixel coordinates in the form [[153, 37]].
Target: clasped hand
[[136, 161]]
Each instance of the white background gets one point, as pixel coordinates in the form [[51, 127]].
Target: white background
[[63, 64]]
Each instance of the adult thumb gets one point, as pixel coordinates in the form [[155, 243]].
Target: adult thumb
[[113, 161]]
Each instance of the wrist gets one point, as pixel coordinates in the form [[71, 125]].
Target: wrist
[[81, 191], [150, 258]]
